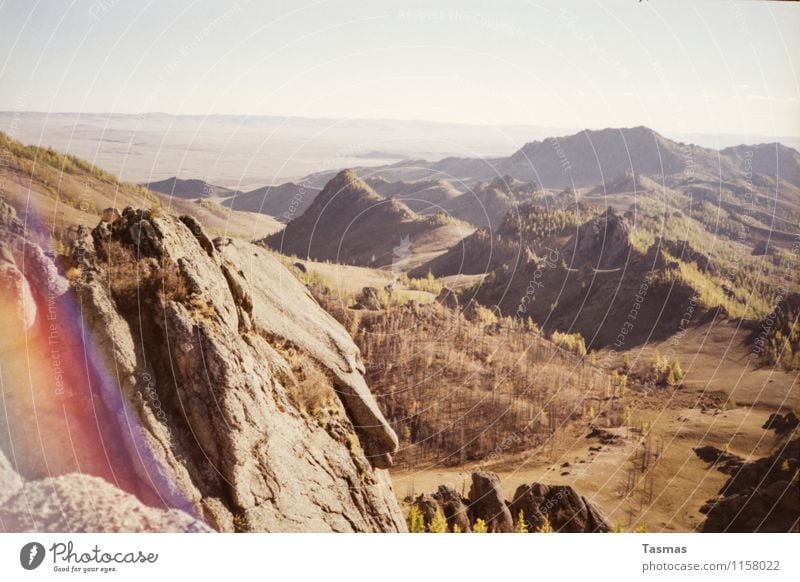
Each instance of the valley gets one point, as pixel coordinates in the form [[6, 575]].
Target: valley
[[610, 311]]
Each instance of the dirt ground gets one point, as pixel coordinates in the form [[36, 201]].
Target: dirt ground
[[652, 477]]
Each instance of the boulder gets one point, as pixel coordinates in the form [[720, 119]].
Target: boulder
[[428, 506], [447, 298], [761, 496], [782, 424], [487, 503], [82, 503], [561, 506], [369, 299], [454, 508]]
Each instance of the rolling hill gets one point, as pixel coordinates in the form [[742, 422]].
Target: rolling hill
[[349, 223], [189, 188], [55, 191]]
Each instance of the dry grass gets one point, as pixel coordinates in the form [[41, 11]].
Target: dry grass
[[132, 280]]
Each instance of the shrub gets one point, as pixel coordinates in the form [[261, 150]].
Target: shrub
[[479, 526], [675, 374], [520, 526], [414, 520], [546, 526], [132, 281], [314, 391], [438, 524]]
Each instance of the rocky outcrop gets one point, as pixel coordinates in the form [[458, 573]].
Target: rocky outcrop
[[761, 496], [447, 298], [561, 506], [723, 461], [782, 423], [449, 505], [454, 508], [226, 390], [369, 299], [487, 503], [556, 508]]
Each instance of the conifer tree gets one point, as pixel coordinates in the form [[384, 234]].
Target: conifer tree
[[521, 526], [438, 524]]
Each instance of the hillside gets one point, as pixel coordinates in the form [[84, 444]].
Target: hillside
[[488, 202], [189, 188], [523, 231], [283, 201], [424, 197], [587, 284], [776, 160], [54, 191], [594, 157], [349, 223]]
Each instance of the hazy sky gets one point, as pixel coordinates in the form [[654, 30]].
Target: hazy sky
[[718, 67]]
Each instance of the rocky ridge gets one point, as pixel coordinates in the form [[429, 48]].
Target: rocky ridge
[[228, 391]]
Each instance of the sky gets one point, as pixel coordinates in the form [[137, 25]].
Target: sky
[[705, 66]]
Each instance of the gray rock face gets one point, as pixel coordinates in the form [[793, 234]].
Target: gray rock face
[[215, 385], [487, 503], [214, 350], [561, 505], [428, 507], [81, 503]]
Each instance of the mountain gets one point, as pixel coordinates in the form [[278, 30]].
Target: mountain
[[349, 223], [189, 188], [283, 202], [592, 157]]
